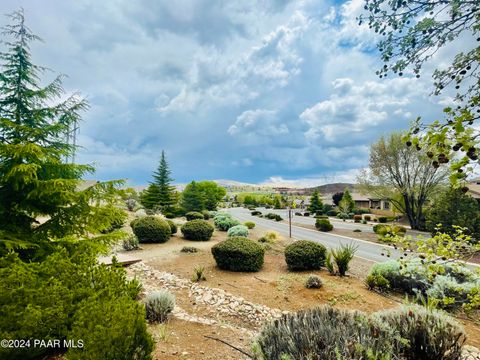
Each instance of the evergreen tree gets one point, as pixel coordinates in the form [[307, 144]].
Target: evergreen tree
[[316, 205], [337, 197], [193, 199], [347, 204], [213, 194], [277, 203], [160, 194], [35, 180]]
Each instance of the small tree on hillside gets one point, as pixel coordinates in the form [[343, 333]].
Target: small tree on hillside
[[316, 205], [193, 199], [213, 194]]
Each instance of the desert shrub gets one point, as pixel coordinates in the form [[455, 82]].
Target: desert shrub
[[323, 225], [332, 213], [390, 270], [364, 221], [379, 229], [158, 305], [429, 334], [173, 226], [367, 217], [326, 333], [118, 332], [133, 222], [342, 256], [224, 221], [382, 219], [298, 214], [169, 215], [206, 214], [238, 230], [306, 213], [249, 224], [357, 230], [321, 216], [329, 263], [189, 249], [357, 218], [151, 229], [273, 216], [323, 333], [256, 213], [305, 255], [194, 215], [212, 213], [198, 274], [197, 230], [269, 237], [56, 291], [449, 293], [313, 282], [377, 281], [130, 243], [238, 254]]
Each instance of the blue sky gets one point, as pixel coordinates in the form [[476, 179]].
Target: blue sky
[[277, 92]]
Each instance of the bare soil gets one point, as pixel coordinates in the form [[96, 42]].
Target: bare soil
[[274, 286]]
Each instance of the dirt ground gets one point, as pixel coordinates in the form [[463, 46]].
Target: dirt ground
[[273, 286]]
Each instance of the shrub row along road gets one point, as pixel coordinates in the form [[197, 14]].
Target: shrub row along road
[[366, 250]]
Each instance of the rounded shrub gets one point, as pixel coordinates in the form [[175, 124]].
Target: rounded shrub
[[382, 219], [224, 221], [313, 282], [151, 229], [367, 218], [173, 226], [379, 229], [194, 215], [158, 305], [130, 243], [238, 230], [357, 218], [206, 214], [249, 224], [197, 230], [238, 254], [256, 213], [306, 213], [332, 213], [323, 225], [305, 255]]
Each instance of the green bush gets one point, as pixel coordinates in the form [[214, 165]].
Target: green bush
[[130, 243], [357, 218], [197, 230], [58, 292], [273, 216], [367, 218], [379, 229], [313, 282], [429, 334], [249, 224], [194, 215], [224, 221], [323, 225], [238, 230], [256, 213], [158, 305], [238, 254], [173, 226], [118, 218], [206, 214], [189, 249], [326, 333], [332, 213], [151, 229], [305, 255], [342, 256], [377, 281], [306, 213], [382, 219]]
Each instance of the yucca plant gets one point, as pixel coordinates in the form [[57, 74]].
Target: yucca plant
[[198, 274], [343, 255], [158, 305]]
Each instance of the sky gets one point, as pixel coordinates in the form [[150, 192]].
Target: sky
[[270, 92]]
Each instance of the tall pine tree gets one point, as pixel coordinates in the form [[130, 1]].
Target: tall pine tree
[[193, 199], [35, 180], [316, 205], [160, 193]]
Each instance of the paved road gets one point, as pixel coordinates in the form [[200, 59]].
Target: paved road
[[366, 250]]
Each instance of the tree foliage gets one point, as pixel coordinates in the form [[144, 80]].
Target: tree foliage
[[402, 175], [413, 32], [316, 205], [42, 198], [347, 204], [160, 194], [193, 199], [337, 197], [213, 193], [454, 208]]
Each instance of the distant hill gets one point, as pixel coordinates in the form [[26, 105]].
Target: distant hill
[[332, 188]]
